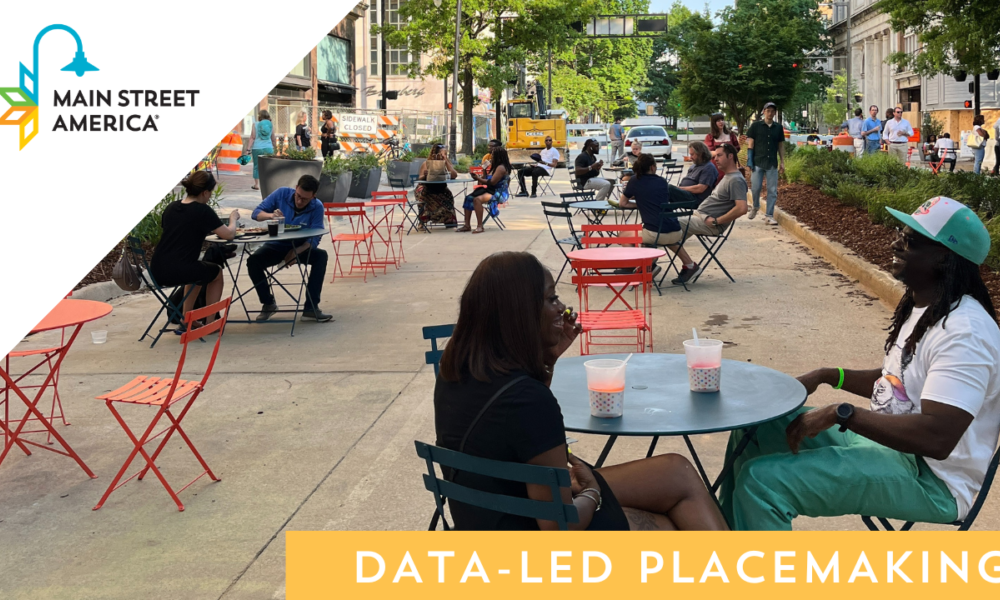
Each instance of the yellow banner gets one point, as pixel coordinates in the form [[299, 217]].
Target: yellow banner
[[485, 565]]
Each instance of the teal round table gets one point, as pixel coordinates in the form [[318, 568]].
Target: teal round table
[[659, 402]]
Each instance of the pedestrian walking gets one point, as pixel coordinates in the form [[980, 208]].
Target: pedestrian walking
[[261, 143], [855, 128], [872, 131], [977, 142], [328, 135], [617, 136], [303, 135], [766, 157], [897, 133]]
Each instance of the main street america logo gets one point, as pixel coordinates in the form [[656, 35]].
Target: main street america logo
[[23, 100]]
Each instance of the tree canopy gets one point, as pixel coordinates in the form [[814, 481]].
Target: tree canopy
[[957, 35], [755, 55]]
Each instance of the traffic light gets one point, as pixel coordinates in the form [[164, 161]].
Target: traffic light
[[449, 106], [795, 65], [968, 104], [741, 66]]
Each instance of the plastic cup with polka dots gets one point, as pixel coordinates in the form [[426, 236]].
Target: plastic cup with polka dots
[[606, 384], [704, 362]]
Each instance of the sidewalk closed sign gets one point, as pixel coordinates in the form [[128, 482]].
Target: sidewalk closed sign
[[350, 123]]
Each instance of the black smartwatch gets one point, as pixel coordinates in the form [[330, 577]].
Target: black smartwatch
[[844, 413]]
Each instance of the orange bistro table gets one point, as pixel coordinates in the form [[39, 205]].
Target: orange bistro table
[[66, 314], [383, 229]]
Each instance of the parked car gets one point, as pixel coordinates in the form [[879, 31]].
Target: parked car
[[655, 141]]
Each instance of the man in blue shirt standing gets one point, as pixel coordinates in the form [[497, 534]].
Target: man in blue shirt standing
[[298, 206], [871, 129]]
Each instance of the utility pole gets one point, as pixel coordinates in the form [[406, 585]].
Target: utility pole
[[550, 75], [385, 74], [850, 52], [975, 96], [454, 87]]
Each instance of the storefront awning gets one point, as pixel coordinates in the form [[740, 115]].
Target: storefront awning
[[333, 86], [295, 82]]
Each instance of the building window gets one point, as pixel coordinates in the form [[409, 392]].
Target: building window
[[303, 69], [398, 57], [911, 45], [333, 60]]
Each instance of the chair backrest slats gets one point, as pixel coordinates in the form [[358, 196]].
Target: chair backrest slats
[[553, 510], [434, 333], [984, 491], [344, 209]]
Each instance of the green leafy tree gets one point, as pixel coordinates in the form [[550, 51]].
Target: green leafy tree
[[834, 112], [580, 94], [496, 37], [957, 35], [752, 57]]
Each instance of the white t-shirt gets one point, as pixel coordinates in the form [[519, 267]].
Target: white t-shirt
[[946, 145], [897, 132], [548, 155], [958, 365]]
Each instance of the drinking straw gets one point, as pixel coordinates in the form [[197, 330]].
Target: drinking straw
[[694, 332]]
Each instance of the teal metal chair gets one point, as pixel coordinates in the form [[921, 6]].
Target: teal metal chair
[[434, 333], [966, 523], [550, 510]]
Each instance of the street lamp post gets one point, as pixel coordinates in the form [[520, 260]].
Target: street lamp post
[[846, 4]]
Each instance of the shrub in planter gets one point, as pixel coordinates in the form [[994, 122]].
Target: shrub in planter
[[285, 167], [406, 165], [335, 180], [367, 173]]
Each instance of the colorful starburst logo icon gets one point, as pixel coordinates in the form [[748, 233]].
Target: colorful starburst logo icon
[[23, 100]]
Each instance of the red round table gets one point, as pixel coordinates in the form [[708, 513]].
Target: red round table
[[67, 314], [612, 254]]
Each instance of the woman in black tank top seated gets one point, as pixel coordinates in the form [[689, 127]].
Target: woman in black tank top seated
[[512, 324]]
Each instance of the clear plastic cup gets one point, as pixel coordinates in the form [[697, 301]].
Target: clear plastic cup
[[606, 384], [99, 337], [704, 362], [281, 225]]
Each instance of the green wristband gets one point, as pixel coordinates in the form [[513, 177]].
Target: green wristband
[[840, 383]]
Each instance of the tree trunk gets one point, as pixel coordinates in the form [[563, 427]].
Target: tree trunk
[[467, 103]]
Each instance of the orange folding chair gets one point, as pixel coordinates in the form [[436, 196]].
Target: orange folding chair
[[630, 307], [360, 236], [164, 393], [389, 201], [613, 235]]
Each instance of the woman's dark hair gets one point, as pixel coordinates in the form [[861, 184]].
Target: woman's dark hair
[[643, 163], [499, 157], [198, 182], [890, 113], [979, 120], [716, 130], [702, 151], [499, 320], [264, 116], [960, 277], [327, 115], [436, 149]]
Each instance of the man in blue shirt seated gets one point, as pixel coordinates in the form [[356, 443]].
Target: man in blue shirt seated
[[649, 193], [298, 206], [700, 179]]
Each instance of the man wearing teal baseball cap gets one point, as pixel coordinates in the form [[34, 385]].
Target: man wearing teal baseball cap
[[921, 450]]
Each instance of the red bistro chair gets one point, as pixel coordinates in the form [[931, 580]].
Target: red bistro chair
[[630, 307], [164, 393], [45, 356], [360, 236], [392, 200], [611, 235]]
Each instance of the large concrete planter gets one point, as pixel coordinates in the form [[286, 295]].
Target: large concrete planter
[[365, 185], [334, 191], [279, 172]]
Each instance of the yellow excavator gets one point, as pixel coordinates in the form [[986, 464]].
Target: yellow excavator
[[528, 124]]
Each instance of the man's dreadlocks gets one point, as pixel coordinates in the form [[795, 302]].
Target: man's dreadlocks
[[961, 278]]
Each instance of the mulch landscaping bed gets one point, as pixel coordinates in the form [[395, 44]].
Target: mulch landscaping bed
[[852, 227]]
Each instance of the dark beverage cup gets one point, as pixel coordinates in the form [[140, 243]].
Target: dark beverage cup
[[272, 229]]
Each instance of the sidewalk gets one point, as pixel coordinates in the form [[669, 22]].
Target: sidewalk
[[316, 431]]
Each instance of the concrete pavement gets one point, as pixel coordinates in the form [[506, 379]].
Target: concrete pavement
[[316, 431]]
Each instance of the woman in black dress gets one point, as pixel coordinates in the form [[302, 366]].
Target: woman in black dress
[[328, 135], [185, 224], [524, 424]]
